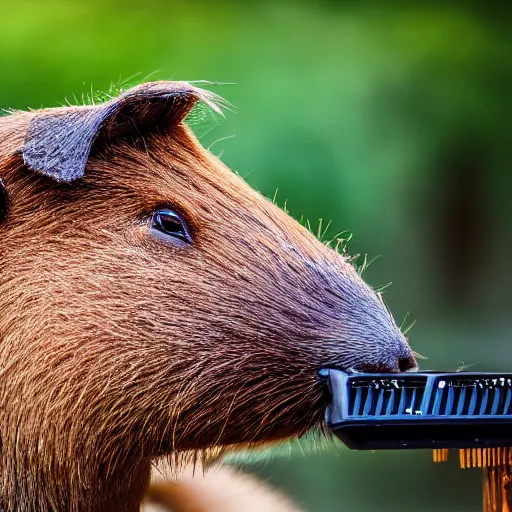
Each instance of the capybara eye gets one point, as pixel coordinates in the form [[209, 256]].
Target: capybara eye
[[170, 223]]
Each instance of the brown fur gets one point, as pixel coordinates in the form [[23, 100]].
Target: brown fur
[[117, 347]]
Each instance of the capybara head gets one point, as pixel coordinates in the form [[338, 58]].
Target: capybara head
[[151, 302]]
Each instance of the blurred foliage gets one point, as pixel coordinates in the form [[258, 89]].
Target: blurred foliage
[[390, 119]]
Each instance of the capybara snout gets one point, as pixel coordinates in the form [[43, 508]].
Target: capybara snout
[[151, 302]]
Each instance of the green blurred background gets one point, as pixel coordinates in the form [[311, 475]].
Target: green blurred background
[[390, 119]]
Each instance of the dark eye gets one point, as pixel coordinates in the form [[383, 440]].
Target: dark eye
[[170, 223]]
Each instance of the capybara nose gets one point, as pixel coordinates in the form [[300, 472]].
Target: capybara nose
[[407, 364], [404, 362]]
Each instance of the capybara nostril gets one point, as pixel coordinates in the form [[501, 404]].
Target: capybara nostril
[[390, 360], [408, 364], [404, 364]]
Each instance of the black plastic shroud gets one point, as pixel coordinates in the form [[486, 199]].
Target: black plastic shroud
[[420, 410]]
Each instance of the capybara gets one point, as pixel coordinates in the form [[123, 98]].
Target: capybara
[[152, 304]]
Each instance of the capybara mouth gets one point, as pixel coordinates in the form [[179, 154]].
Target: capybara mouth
[[403, 364]]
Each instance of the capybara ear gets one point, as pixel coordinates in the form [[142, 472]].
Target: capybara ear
[[4, 201], [59, 140]]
